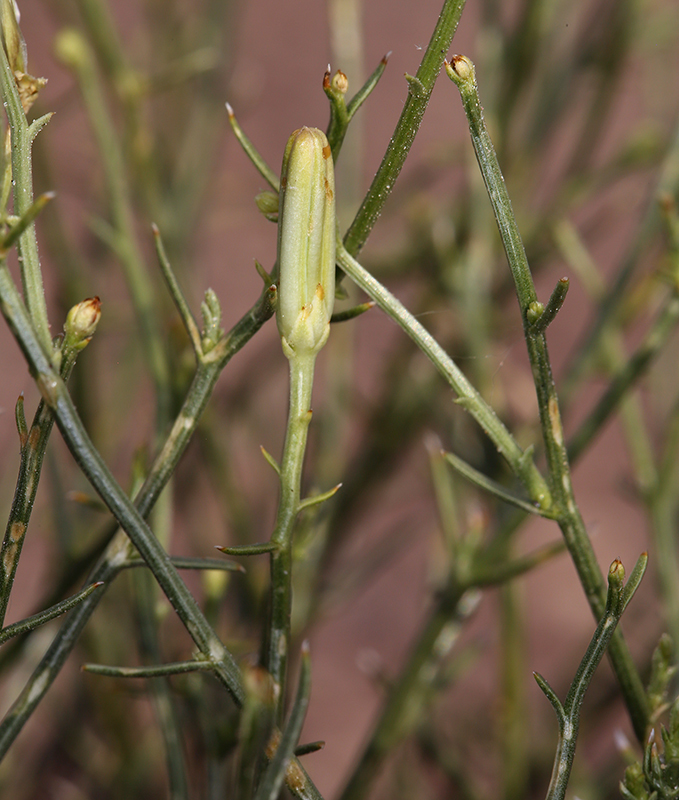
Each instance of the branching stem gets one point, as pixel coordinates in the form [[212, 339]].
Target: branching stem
[[461, 71]]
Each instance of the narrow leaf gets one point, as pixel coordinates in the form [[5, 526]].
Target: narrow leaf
[[30, 623], [319, 498], [491, 486]]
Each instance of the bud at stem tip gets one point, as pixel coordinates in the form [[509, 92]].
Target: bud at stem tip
[[306, 243]]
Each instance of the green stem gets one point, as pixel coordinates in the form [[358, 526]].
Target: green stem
[[520, 461], [419, 91], [299, 417], [279, 764], [461, 72], [129, 517], [116, 554], [22, 176], [34, 621], [568, 715], [33, 445], [145, 673], [164, 702], [57, 398]]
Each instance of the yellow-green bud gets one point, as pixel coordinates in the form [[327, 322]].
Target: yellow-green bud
[[13, 41], [81, 323], [267, 203], [535, 310], [306, 243]]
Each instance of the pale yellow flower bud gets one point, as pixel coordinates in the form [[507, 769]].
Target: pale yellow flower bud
[[306, 243]]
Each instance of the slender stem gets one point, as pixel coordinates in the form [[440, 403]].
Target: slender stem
[[520, 461], [461, 71], [280, 758], [51, 663], [34, 621], [132, 522], [33, 445], [117, 551], [57, 398], [419, 91], [209, 369], [299, 417], [22, 176], [162, 670], [32, 455], [568, 715]]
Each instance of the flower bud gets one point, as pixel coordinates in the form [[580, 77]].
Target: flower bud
[[267, 203], [460, 69], [339, 82], [12, 39], [306, 243], [535, 310], [15, 49], [81, 323]]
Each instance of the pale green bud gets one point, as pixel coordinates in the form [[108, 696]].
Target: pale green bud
[[306, 243], [267, 203], [535, 310], [14, 43], [211, 312], [81, 323]]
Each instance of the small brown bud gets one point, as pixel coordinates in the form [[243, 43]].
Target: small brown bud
[[340, 82]]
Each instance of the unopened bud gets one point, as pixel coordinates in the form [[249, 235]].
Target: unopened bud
[[616, 573], [267, 203], [460, 69], [306, 243], [615, 600], [535, 310], [15, 48], [340, 82], [81, 323], [13, 41]]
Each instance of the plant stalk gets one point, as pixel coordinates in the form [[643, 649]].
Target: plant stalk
[[299, 417]]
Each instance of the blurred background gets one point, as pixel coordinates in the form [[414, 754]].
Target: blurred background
[[581, 99]]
